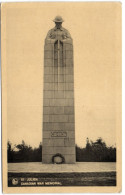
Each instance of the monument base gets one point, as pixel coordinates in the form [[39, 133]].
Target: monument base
[[58, 168]]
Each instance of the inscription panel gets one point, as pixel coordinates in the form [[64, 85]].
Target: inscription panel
[[58, 134]]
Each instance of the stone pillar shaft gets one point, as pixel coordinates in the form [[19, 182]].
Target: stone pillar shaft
[[58, 102]]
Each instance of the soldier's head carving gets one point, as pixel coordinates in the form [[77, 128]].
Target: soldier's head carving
[[58, 21], [58, 32]]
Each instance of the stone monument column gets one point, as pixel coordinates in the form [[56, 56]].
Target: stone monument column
[[58, 97]]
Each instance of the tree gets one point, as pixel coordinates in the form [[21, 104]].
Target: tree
[[93, 152], [9, 152]]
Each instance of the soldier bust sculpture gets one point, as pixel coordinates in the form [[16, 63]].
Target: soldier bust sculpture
[[58, 97], [58, 32]]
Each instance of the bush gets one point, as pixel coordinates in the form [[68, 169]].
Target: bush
[[93, 152]]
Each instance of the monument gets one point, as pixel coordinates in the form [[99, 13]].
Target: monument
[[58, 97]]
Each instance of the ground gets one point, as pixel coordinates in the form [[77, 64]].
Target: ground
[[79, 174]]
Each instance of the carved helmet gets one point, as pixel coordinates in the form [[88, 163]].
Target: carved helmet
[[58, 19]]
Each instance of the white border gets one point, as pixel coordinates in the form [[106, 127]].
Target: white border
[[60, 1], [123, 83]]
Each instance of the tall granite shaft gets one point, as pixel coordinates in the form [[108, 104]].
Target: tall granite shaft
[[58, 98]]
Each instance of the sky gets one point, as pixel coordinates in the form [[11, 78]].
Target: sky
[[95, 29]]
